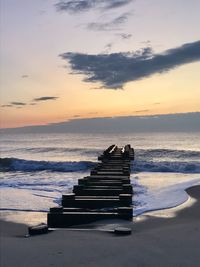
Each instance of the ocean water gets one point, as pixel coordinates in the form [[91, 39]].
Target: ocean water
[[36, 169]]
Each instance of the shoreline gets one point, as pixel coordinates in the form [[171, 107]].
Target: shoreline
[[155, 242], [171, 211], [31, 218]]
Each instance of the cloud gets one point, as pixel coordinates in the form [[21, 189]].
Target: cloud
[[124, 36], [109, 46], [109, 25], [6, 106], [14, 104], [147, 42], [45, 98], [116, 69], [18, 104], [76, 116], [21, 104], [116, 3], [77, 6], [25, 76]]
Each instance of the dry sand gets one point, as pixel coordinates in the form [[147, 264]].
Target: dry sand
[[157, 242]]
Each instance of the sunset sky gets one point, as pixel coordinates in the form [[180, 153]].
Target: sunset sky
[[64, 60]]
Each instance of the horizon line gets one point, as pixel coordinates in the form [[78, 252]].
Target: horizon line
[[108, 117]]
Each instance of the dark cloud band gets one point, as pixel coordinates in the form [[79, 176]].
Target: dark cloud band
[[77, 6], [18, 104], [116, 69], [45, 98]]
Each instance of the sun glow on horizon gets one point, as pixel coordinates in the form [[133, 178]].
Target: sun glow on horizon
[[37, 87]]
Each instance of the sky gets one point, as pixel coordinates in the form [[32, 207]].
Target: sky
[[66, 60]]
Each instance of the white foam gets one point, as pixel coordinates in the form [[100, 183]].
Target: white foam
[[154, 191]]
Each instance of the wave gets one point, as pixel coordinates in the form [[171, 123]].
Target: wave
[[77, 150], [62, 150], [15, 164], [178, 161], [140, 153], [166, 166], [24, 210], [169, 153]]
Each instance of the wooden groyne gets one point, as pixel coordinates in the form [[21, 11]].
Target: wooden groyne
[[105, 194]]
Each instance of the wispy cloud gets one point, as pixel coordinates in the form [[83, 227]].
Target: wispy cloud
[[111, 25], [124, 36], [77, 6], [116, 69], [14, 105], [45, 98], [147, 42], [76, 116], [18, 104], [108, 47], [80, 6], [6, 106], [34, 102]]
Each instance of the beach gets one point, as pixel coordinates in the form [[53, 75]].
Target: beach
[[99, 133], [167, 241]]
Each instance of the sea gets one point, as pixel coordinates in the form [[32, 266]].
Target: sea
[[36, 169]]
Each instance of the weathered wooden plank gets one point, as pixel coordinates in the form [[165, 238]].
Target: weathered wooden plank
[[108, 187]]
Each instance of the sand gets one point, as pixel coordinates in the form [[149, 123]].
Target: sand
[[157, 242]]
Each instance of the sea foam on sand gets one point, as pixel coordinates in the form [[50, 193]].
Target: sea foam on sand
[[166, 242]]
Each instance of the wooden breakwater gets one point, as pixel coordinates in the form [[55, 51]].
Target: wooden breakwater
[[105, 194]]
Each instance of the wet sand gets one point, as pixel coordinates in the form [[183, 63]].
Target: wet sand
[[157, 242]]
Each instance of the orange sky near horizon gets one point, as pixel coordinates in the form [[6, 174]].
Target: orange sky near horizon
[[138, 98], [31, 67]]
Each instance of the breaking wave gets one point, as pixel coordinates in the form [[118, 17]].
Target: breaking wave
[[146, 165], [169, 153], [14, 164], [166, 166]]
